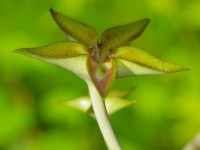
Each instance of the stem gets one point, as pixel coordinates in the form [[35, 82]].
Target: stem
[[101, 115]]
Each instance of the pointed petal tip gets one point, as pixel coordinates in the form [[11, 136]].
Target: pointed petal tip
[[185, 69], [175, 68], [52, 11], [179, 69], [15, 51], [18, 50], [23, 51], [147, 20]]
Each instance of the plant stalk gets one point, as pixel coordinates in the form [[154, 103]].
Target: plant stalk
[[101, 115]]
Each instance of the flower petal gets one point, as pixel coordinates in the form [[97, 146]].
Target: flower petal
[[70, 55], [113, 104], [121, 93], [56, 50], [76, 30], [102, 74], [82, 103], [123, 35], [134, 61]]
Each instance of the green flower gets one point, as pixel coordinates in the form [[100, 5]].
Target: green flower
[[102, 60], [99, 61], [115, 101]]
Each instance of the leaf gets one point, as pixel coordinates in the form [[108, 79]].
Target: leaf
[[102, 74], [123, 35], [70, 55], [134, 61], [76, 30]]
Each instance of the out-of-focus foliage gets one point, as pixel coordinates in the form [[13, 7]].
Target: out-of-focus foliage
[[167, 113], [193, 144]]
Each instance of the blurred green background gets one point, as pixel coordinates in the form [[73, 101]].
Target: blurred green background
[[167, 114]]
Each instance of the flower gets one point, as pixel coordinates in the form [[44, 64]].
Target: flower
[[100, 61], [115, 101]]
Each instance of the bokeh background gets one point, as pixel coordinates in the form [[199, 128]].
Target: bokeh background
[[167, 114]]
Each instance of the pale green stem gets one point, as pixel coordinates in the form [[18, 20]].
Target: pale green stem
[[101, 115]]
